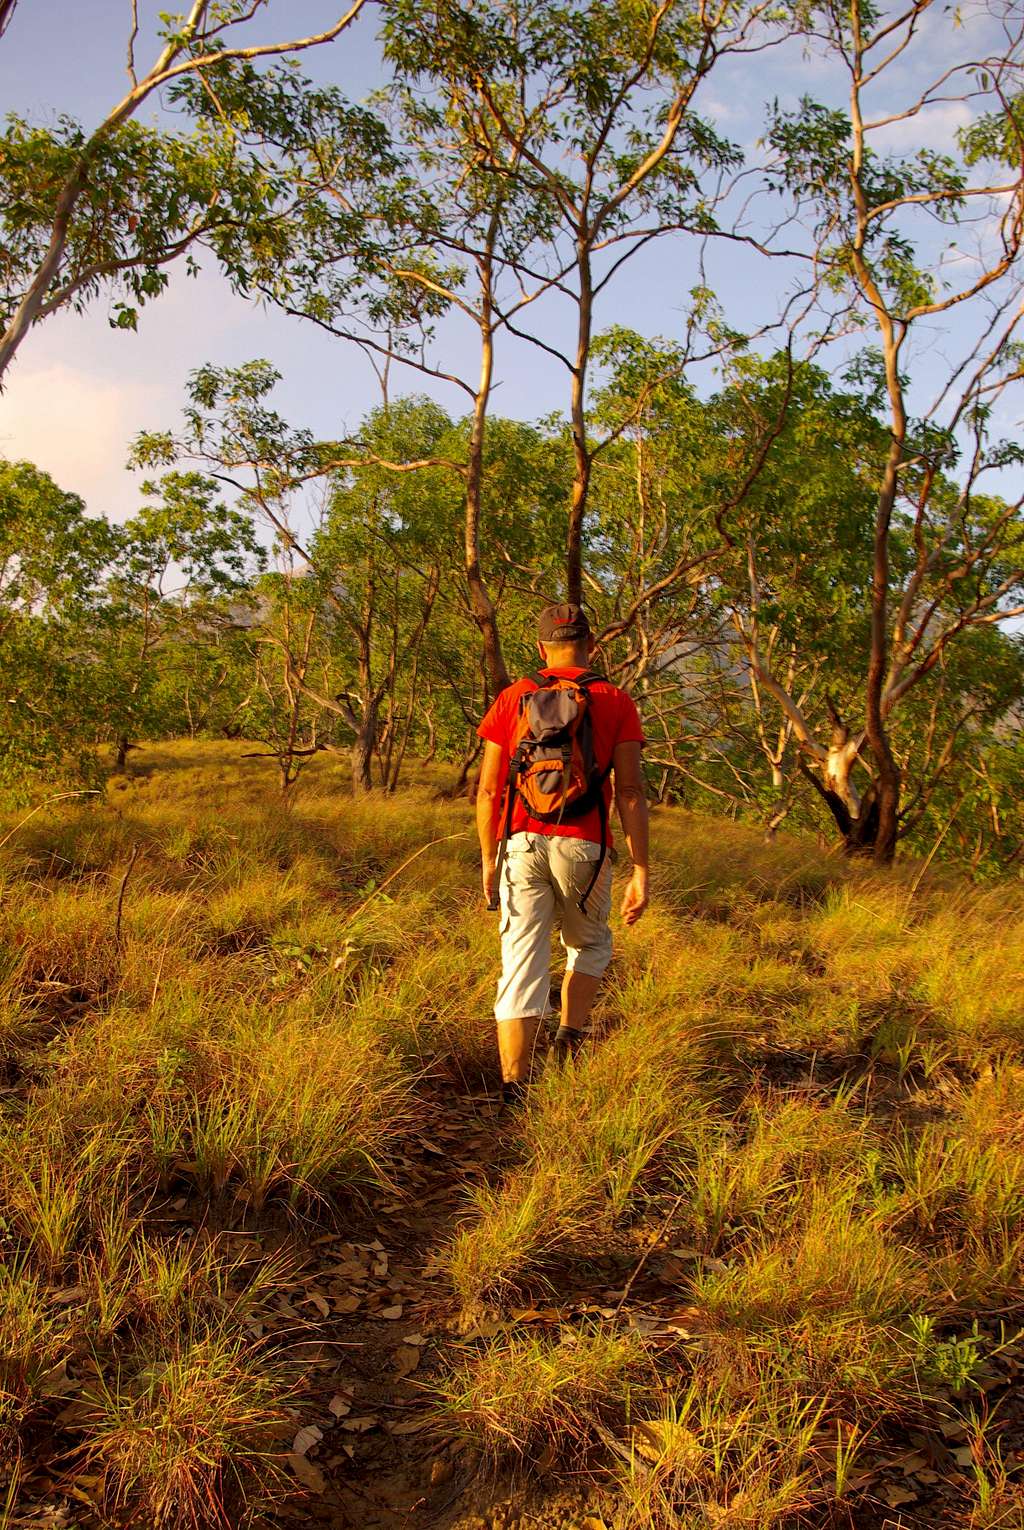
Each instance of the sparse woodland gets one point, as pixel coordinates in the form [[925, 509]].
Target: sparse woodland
[[269, 1255]]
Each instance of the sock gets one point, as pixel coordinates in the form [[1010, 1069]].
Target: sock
[[568, 1041]]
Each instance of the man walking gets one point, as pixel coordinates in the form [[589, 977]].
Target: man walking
[[554, 872]]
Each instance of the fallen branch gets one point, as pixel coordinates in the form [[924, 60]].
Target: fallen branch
[[649, 1250], [60, 796], [120, 896], [399, 869]]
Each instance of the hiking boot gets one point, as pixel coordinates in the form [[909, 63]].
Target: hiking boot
[[513, 1095], [566, 1045]]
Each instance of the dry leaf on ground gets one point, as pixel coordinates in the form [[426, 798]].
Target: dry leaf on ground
[[360, 1423], [308, 1474], [308, 1436], [407, 1358]]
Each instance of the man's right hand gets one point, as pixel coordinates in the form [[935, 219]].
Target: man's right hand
[[634, 899], [490, 882]]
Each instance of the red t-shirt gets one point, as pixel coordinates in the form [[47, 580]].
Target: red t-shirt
[[614, 719]]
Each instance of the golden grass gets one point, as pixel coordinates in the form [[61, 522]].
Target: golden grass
[[176, 1432], [537, 1394], [810, 1077], [845, 1226]]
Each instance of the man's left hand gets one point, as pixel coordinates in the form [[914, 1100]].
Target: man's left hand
[[634, 899], [489, 879]]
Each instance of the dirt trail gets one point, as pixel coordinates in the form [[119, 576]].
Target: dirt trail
[[377, 1314]]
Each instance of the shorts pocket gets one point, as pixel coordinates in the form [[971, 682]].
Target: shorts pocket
[[524, 867], [572, 849], [521, 847]]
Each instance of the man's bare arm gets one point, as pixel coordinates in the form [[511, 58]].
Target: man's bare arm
[[488, 807], [631, 800]]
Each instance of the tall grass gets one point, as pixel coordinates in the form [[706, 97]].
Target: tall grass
[[799, 1123], [248, 1032], [832, 1137]]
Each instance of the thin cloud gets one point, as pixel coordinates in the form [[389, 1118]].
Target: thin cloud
[[76, 425], [934, 127]]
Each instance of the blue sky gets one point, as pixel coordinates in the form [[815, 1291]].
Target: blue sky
[[80, 390]]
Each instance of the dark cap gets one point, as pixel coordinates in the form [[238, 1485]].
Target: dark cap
[[563, 624]]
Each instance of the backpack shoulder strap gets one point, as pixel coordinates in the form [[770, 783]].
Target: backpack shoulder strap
[[539, 682], [602, 809], [544, 682]]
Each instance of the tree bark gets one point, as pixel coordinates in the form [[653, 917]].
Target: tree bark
[[427, 758], [362, 749], [887, 772], [892, 331], [580, 450], [484, 613]]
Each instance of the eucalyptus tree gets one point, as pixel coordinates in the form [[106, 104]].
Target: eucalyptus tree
[[656, 537], [796, 592], [287, 651], [374, 522], [532, 150], [889, 229], [52, 559], [232, 434], [593, 106], [436, 229], [378, 556], [952, 739], [372, 549], [733, 562], [108, 208], [175, 568], [685, 491]]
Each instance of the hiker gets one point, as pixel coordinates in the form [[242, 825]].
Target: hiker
[[553, 743]]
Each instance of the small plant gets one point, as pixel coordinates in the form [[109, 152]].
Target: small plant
[[950, 1362], [999, 1499], [517, 1230], [181, 1437], [848, 1449], [52, 1191], [712, 1457], [525, 1396], [33, 1338]]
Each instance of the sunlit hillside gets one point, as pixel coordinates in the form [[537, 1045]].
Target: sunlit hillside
[[273, 1254]]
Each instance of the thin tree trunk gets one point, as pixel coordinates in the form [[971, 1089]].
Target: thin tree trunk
[[886, 769], [580, 449], [363, 747], [427, 758], [403, 741], [482, 606], [28, 309], [887, 786]]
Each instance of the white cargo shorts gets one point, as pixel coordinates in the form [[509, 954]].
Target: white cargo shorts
[[542, 881]]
